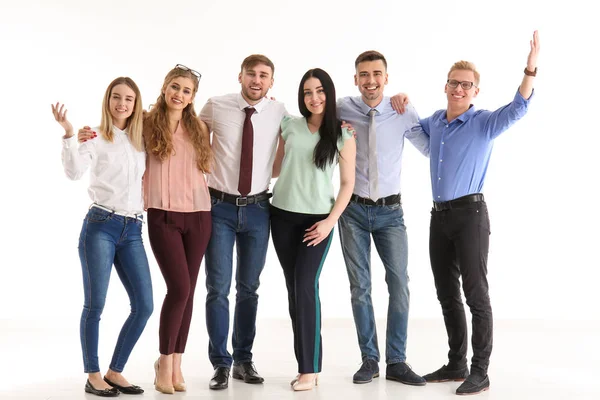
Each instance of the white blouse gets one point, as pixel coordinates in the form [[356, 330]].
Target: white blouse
[[116, 172]]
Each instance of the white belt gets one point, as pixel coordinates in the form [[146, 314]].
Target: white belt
[[139, 217]]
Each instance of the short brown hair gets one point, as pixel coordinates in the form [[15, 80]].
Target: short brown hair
[[370, 55], [255, 59], [465, 65]]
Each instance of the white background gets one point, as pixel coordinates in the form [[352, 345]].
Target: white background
[[541, 185]]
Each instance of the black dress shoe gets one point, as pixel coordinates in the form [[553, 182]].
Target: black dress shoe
[[446, 374], [220, 379], [246, 372], [133, 389], [473, 384], [113, 392]]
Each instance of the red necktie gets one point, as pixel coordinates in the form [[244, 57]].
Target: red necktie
[[245, 181]]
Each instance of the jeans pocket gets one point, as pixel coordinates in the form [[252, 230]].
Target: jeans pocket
[[393, 207], [264, 205], [214, 201], [98, 216], [483, 217]]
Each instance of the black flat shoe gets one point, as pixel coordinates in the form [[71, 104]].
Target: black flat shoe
[[113, 392], [133, 389]]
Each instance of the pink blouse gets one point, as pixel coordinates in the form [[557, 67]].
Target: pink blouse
[[176, 184]]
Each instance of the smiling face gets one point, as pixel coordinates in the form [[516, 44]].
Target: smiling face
[[256, 82], [178, 93], [121, 104], [314, 96], [459, 97], [371, 78]]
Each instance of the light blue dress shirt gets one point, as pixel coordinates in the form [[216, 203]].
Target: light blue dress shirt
[[391, 128], [461, 149]]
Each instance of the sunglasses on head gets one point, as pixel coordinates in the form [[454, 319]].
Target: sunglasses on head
[[193, 72]]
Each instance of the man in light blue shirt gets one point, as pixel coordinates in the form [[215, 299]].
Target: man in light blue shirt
[[375, 210], [461, 145]]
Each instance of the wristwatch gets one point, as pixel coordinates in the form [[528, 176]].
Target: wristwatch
[[530, 73]]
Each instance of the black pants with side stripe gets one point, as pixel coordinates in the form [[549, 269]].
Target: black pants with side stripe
[[302, 267]]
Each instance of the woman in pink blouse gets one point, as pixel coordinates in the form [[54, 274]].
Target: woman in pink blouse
[[178, 204]]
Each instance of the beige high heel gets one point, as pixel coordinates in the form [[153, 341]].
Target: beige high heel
[[180, 387], [301, 386], [294, 380], [162, 389]]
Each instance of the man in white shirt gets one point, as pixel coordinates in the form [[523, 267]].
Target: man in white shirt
[[245, 132]]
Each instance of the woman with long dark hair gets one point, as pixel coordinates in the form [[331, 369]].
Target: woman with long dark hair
[[304, 209]]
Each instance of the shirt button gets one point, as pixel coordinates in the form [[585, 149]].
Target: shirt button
[[441, 160], [442, 142], [446, 126], [438, 197], [439, 179]]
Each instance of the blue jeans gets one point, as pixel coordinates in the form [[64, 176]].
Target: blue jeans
[[248, 228], [386, 225], [107, 239]]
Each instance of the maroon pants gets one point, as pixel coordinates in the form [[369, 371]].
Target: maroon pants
[[178, 241]]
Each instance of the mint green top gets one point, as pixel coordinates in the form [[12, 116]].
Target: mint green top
[[301, 186]]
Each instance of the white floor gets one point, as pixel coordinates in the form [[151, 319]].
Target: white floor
[[531, 360]]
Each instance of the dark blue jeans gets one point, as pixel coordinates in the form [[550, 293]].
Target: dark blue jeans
[[107, 239], [248, 228], [386, 225]]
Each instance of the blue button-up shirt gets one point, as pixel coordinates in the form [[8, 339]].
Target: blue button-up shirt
[[391, 128], [461, 149]]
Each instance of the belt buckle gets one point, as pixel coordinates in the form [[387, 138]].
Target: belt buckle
[[241, 201]]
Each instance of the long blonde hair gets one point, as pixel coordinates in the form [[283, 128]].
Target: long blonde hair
[[158, 136], [134, 122]]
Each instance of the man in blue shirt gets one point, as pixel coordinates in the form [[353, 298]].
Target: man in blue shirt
[[461, 140], [375, 210]]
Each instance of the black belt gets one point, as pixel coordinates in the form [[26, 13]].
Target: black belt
[[240, 201], [384, 201], [458, 203]]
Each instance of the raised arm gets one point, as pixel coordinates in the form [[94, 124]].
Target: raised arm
[[526, 87], [76, 160], [320, 230]]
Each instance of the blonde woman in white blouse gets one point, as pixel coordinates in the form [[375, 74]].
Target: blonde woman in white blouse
[[111, 232]]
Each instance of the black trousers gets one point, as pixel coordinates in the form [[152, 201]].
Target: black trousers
[[458, 248], [302, 266]]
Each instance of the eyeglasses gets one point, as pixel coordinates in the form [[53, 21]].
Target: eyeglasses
[[193, 72], [466, 85]]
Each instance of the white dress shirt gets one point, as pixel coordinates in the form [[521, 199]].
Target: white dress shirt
[[116, 170], [225, 116]]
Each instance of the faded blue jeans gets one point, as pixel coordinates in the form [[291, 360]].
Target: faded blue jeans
[[107, 239], [386, 224], [248, 228]]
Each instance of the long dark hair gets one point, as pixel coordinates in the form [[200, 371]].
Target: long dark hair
[[330, 130]]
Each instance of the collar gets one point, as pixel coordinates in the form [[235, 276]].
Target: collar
[[119, 131], [464, 117], [242, 103], [364, 108]]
